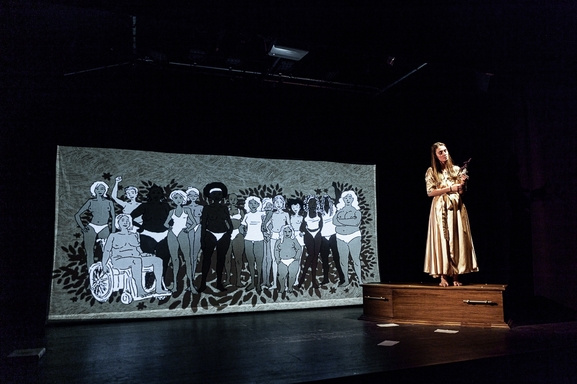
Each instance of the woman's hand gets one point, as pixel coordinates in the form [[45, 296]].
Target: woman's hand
[[456, 188]]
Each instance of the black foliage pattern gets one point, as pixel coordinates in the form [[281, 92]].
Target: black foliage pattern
[[73, 276]]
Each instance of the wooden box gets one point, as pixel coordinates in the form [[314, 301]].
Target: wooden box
[[473, 305]]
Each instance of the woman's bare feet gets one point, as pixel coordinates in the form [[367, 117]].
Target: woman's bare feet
[[444, 282], [456, 281]]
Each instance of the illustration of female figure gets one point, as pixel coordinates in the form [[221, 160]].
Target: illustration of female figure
[[275, 222], [329, 239], [347, 223], [267, 259], [152, 231], [131, 194], [179, 223], [296, 215], [216, 228], [253, 239], [311, 227], [102, 211], [287, 254], [123, 250], [236, 248], [191, 260]]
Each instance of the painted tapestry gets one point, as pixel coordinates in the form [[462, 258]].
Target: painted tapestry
[[147, 234]]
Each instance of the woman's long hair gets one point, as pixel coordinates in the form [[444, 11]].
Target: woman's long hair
[[438, 168]]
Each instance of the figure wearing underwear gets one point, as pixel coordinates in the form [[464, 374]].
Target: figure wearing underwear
[[179, 223], [102, 211], [329, 239], [274, 224], [236, 249], [296, 215], [152, 231], [311, 227], [191, 261], [347, 223], [216, 228], [253, 240], [122, 251], [287, 254]]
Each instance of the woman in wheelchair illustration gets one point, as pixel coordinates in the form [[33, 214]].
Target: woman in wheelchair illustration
[[122, 254]]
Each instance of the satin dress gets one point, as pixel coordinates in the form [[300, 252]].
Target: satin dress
[[450, 249]]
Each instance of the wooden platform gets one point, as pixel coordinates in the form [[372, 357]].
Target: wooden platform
[[469, 305]]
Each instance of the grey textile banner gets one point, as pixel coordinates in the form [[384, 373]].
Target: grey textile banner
[[133, 230]]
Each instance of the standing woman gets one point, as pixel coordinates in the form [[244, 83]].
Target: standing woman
[[101, 209], [347, 223], [450, 250], [216, 227], [179, 223], [193, 195], [311, 226]]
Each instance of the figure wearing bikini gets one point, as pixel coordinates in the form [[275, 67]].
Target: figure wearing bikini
[[216, 227], [311, 227], [152, 231], [287, 254], [101, 208]]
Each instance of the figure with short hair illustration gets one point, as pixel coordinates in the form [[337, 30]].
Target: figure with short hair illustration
[[329, 238], [267, 259], [101, 209], [274, 224], [311, 226], [193, 195], [216, 228], [152, 231], [236, 249], [122, 251], [296, 215], [131, 194], [347, 223], [253, 240], [287, 253], [179, 223]]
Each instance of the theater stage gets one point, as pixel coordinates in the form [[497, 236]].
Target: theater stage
[[326, 345]]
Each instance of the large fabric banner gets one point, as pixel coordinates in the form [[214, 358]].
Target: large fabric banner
[[147, 234]]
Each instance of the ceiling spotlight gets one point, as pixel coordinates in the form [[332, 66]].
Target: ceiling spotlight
[[286, 50]]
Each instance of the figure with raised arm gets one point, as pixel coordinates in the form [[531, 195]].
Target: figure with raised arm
[[131, 194]]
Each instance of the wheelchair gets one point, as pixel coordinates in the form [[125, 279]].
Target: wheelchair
[[102, 285]]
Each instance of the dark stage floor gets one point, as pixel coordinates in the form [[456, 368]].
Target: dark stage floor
[[329, 345]]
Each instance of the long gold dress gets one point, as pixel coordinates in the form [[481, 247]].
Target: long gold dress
[[450, 248]]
